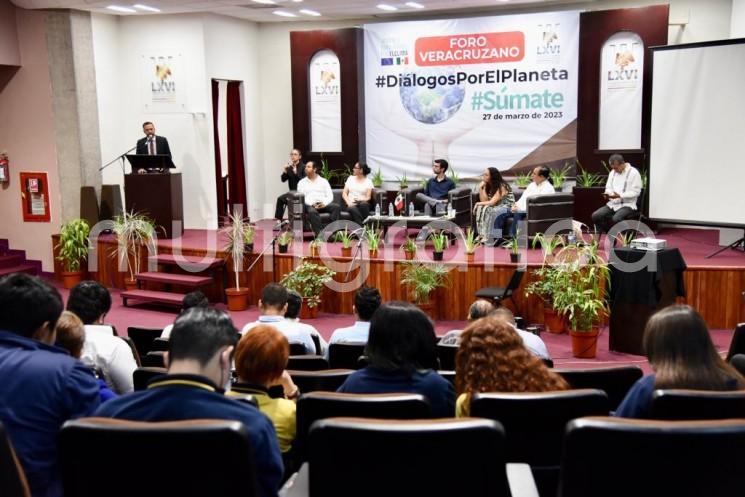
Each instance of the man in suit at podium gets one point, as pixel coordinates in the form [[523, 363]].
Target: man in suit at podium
[[152, 145]]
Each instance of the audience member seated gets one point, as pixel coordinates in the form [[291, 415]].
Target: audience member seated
[[682, 355], [493, 207], [622, 190], [436, 190], [191, 299], [357, 193], [199, 362], [292, 314], [539, 186], [479, 309], [272, 305], [91, 301], [318, 197], [261, 362], [70, 333], [493, 358], [366, 302], [42, 386], [402, 357]]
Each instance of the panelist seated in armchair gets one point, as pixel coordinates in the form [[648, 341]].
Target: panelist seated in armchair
[[621, 190], [357, 193], [318, 197], [436, 190], [539, 186]]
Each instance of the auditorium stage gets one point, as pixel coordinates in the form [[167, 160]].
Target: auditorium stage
[[714, 286]]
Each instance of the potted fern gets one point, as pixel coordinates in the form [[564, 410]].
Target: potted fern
[[523, 180], [133, 230], [403, 182], [470, 243], [72, 250], [439, 242], [235, 230], [308, 279], [409, 248], [422, 280], [373, 235], [284, 240], [377, 179], [559, 177], [345, 237]]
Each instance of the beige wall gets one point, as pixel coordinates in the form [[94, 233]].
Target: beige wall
[[9, 54], [27, 133]]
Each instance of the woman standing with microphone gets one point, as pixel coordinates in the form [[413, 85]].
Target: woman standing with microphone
[[292, 173]]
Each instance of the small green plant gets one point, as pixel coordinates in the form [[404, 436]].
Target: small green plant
[[454, 175], [377, 179], [523, 180], [605, 166], [316, 242], [374, 236], [248, 234], [513, 244], [423, 279], [549, 244], [285, 238], [559, 176], [345, 237], [587, 179], [236, 231], [327, 173], [409, 245], [439, 241], [624, 238], [133, 230], [470, 241], [308, 279], [403, 181], [645, 178], [73, 244]]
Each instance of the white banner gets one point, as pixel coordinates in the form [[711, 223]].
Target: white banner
[[479, 92], [621, 82], [325, 102], [163, 83]]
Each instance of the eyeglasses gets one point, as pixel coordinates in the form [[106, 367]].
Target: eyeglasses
[[356, 167]]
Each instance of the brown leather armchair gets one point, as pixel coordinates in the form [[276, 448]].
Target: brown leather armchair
[[459, 198]]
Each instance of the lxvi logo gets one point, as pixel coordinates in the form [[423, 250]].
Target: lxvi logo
[[163, 81], [548, 40], [625, 67]]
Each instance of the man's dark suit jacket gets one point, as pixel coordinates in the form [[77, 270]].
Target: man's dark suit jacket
[[161, 146]]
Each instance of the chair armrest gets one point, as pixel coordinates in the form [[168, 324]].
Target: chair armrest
[[520, 479], [297, 484], [411, 197]]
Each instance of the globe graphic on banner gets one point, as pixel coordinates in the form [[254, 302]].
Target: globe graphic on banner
[[432, 105]]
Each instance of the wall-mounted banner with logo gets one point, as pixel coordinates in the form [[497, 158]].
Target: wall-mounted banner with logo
[[163, 83], [480, 92], [621, 71], [325, 102]]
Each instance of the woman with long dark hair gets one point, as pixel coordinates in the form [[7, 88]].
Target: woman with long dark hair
[[357, 193], [682, 355], [494, 205]]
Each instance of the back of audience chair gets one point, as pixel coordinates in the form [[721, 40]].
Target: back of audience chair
[[181, 458], [135, 354], [142, 376], [12, 478], [446, 355], [154, 359], [697, 404], [297, 348], [616, 457], [159, 344], [143, 338], [345, 355], [737, 345], [371, 457], [313, 406], [307, 363], [614, 381], [325, 380]]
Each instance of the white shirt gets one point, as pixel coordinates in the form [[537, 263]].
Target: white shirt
[[352, 334], [356, 190], [295, 332], [315, 191], [111, 355], [628, 185], [533, 190], [532, 342]]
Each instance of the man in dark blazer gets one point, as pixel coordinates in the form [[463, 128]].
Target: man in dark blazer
[[292, 172], [152, 145]]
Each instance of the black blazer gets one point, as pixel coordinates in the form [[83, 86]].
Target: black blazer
[[161, 146], [293, 178]]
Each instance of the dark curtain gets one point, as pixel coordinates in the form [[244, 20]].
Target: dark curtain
[[222, 207], [236, 171]]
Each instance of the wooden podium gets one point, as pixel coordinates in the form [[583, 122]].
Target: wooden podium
[[159, 196]]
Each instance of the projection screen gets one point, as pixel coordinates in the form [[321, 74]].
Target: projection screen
[[697, 142]]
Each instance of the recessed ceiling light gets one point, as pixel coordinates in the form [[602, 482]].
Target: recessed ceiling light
[[310, 12], [283, 13], [415, 5], [297, 1], [265, 2], [385, 6], [145, 7], [118, 8]]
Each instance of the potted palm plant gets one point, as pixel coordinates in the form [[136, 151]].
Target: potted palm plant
[[513, 244], [72, 250], [345, 237], [235, 229], [422, 280], [308, 279], [374, 236], [284, 240], [133, 230], [470, 243], [409, 248], [546, 282], [439, 242]]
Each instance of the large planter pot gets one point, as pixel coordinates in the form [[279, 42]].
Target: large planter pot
[[237, 298], [71, 278], [130, 284], [373, 254], [248, 248], [554, 322], [315, 251], [307, 312], [283, 249], [585, 343], [470, 257], [346, 251], [428, 308], [437, 256], [514, 257], [409, 255]]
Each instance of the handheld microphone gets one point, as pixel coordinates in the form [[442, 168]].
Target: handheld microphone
[[281, 224]]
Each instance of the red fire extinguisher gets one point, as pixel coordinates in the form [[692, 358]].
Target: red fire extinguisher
[[4, 168]]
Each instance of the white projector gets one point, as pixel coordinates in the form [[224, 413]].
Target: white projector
[[648, 244]]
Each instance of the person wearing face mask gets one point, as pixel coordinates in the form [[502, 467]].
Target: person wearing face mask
[[152, 145], [199, 361]]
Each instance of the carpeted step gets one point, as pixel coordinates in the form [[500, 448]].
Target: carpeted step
[[175, 279], [188, 261], [142, 296], [10, 260], [20, 268]]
